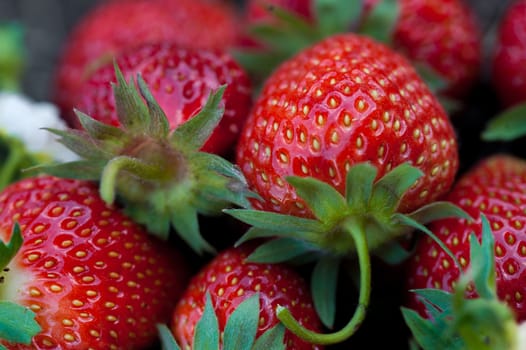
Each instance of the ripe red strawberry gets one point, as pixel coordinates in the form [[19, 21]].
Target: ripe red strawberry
[[344, 101], [113, 26], [230, 279], [509, 56], [495, 188], [180, 80], [94, 278], [348, 150], [442, 35]]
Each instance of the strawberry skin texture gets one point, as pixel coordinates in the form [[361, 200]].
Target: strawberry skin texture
[[180, 80], [343, 101], [95, 279], [443, 34], [114, 26], [230, 280], [496, 187], [509, 56]]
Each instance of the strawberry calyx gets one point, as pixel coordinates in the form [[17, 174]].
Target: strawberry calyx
[[161, 176], [239, 333], [462, 323], [363, 221], [17, 323]]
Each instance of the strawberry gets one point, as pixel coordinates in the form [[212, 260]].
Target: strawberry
[[442, 37], [180, 80], [339, 103], [230, 279], [113, 26], [93, 278], [348, 150], [495, 188], [509, 56]]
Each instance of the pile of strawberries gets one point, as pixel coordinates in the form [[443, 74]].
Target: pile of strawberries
[[285, 175]]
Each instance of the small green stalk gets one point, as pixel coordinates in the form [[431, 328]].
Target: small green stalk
[[355, 229]]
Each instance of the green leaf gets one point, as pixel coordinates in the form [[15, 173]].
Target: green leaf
[[337, 16], [242, 325], [406, 220], [193, 133], [167, 339], [272, 339], [507, 126], [359, 184], [206, 334], [436, 211], [98, 130], [275, 222], [482, 262], [9, 250], [393, 253], [78, 169], [326, 203], [390, 188], [280, 250], [131, 109], [17, 323], [159, 127], [185, 222], [323, 286], [426, 334], [381, 21]]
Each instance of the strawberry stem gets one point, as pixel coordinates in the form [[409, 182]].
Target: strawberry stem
[[355, 229], [115, 165]]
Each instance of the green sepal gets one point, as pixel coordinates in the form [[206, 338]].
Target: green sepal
[[390, 188], [17, 323], [280, 250], [434, 80], [185, 220], [206, 334], [392, 253], [275, 222], [273, 339], [97, 130], [158, 127], [322, 199], [167, 339], [427, 334], [78, 169], [359, 184], [193, 133], [324, 280], [381, 21], [78, 142], [133, 114], [484, 273], [337, 16], [242, 325], [437, 301], [408, 221], [9, 250], [436, 211], [507, 126]]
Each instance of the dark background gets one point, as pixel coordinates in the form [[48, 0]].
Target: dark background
[[48, 22]]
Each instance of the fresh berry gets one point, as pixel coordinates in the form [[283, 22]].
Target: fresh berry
[[509, 56], [93, 278], [230, 279], [444, 35], [441, 37], [113, 26], [180, 80], [344, 101], [495, 188]]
